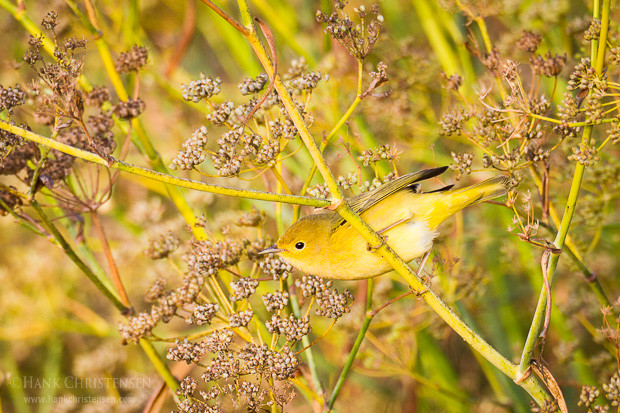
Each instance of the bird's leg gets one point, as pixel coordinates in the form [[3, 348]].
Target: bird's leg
[[419, 273], [382, 230], [334, 205], [400, 221]]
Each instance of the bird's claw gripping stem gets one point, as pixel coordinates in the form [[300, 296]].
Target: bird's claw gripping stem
[[375, 248]]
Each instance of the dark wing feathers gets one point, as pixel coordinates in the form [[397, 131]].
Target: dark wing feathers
[[362, 202], [445, 188]]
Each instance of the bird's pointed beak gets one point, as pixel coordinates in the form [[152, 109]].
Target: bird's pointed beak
[[271, 250]]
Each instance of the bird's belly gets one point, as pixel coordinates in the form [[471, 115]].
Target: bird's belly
[[409, 240]]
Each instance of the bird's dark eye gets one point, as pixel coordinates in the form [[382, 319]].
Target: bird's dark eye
[[300, 245]]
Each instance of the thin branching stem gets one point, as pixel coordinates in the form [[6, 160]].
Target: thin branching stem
[[158, 176], [116, 277], [539, 315], [110, 295], [355, 349]]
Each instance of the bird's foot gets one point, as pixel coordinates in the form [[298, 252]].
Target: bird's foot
[[375, 248]]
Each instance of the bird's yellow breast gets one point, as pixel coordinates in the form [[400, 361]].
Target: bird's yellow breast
[[410, 236]]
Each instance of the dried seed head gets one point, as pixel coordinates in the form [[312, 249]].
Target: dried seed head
[[333, 304], [187, 387], [462, 163], [491, 60], [319, 191], [205, 257], [133, 60], [11, 97], [137, 327], [283, 365], [129, 109], [15, 153], [254, 218], [549, 65], [221, 113], [453, 122], [243, 289], [307, 81], [276, 300], [594, 30], [529, 41], [11, 201], [240, 319], [98, 96], [585, 154], [187, 351], [250, 86], [203, 314], [453, 82], [203, 88], [294, 329], [275, 267], [162, 247], [193, 153], [588, 396]]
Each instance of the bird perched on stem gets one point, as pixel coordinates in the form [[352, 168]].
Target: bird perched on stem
[[326, 245]]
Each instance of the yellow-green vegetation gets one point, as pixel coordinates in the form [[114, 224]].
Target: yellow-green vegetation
[[150, 150]]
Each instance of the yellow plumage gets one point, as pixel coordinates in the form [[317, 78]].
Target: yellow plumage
[[323, 244]]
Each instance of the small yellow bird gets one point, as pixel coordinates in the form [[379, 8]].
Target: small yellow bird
[[324, 244]]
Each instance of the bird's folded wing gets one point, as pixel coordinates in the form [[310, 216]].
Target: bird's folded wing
[[362, 202]]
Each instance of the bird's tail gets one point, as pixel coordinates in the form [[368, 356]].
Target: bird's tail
[[442, 205]]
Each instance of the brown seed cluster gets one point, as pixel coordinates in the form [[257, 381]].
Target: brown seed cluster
[[549, 65], [203, 314], [132, 60], [293, 328], [163, 246], [332, 304], [243, 288], [589, 397], [462, 163], [382, 153], [276, 300], [241, 146], [206, 257], [193, 153], [275, 268], [11, 97], [357, 39], [129, 109], [203, 88], [15, 153], [240, 319], [12, 201], [254, 218], [529, 41], [250, 86], [594, 30]]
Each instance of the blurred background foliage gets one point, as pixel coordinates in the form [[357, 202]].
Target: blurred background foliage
[[54, 323]]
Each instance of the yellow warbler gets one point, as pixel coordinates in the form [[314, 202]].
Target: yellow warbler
[[324, 244]]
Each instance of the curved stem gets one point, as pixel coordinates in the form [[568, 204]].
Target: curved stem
[[116, 278], [571, 202], [158, 176], [336, 128], [101, 286], [356, 346]]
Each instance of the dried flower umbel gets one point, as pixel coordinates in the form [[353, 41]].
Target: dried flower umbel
[[244, 147], [234, 369], [357, 39]]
